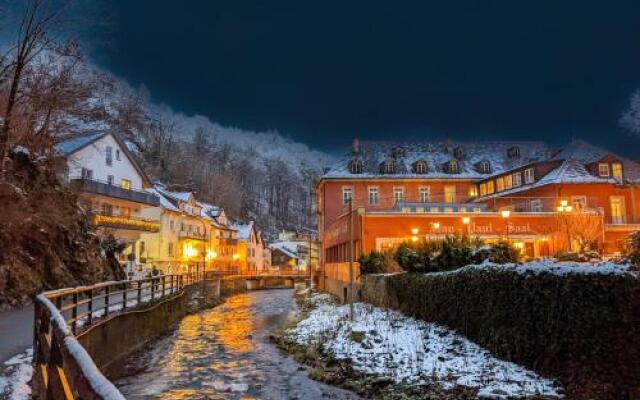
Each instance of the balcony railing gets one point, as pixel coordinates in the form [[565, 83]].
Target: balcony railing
[[112, 190], [124, 222], [195, 235]]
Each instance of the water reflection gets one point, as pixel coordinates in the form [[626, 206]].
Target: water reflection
[[225, 353]]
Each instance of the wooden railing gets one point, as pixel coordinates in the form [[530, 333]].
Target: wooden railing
[[63, 368]]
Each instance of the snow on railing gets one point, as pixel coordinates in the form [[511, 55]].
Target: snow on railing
[[63, 368]]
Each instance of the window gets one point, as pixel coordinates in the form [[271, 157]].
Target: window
[[170, 250], [125, 212], [484, 167], [616, 170], [452, 167], [617, 209], [398, 194], [536, 205], [517, 179], [508, 182], [109, 156], [424, 194], [513, 152], [355, 166], [171, 225], [462, 209], [473, 191], [528, 175], [500, 184], [459, 153], [579, 203], [434, 209], [142, 248], [420, 167], [87, 173], [490, 187], [448, 209], [107, 209], [477, 209], [603, 170], [388, 167], [118, 155], [347, 195], [449, 194], [110, 179], [126, 184], [374, 196], [483, 189]]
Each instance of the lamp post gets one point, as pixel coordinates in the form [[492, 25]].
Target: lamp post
[[563, 209], [467, 221], [505, 215], [414, 233]]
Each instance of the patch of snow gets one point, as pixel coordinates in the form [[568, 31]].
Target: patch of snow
[[387, 343], [15, 375], [550, 267]]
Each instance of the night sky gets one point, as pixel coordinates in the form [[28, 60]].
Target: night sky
[[323, 72]]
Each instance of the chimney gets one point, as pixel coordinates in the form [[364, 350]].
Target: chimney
[[355, 147]]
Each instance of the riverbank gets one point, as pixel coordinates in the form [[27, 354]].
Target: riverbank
[[383, 354]]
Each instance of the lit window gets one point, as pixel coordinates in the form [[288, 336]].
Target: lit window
[[126, 184], [347, 195], [517, 179], [462, 209], [374, 196], [528, 175], [424, 194], [490, 187], [473, 191], [603, 170], [398, 194], [483, 189], [477, 209], [500, 184], [449, 194], [508, 181], [616, 170], [448, 209], [434, 209], [170, 250]]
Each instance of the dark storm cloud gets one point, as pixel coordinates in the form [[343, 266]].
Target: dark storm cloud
[[326, 71]]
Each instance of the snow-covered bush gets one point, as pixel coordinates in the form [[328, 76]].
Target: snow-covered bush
[[372, 263], [572, 256], [633, 250]]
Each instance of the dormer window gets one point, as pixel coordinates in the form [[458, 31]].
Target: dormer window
[[452, 167], [387, 167], [420, 167], [513, 152], [459, 153], [484, 167], [616, 171], [355, 166], [603, 170]]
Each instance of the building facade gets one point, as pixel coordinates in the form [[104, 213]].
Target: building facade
[[542, 199], [113, 190]]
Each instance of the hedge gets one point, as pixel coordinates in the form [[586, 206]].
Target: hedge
[[582, 329]]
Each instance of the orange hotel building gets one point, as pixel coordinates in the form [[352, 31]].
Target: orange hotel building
[[412, 191]]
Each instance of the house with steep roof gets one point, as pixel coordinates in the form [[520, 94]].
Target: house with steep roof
[[250, 247], [112, 189]]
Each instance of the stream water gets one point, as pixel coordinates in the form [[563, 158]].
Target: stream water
[[225, 353]]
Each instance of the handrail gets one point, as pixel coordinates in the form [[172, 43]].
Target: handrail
[[63, 368]]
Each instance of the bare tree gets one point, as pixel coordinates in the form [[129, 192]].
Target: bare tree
[[583, 228], [630, 119]]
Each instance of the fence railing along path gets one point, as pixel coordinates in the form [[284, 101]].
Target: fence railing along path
[[63, 368]]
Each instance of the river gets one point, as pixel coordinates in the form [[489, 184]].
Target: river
[[225, 353]]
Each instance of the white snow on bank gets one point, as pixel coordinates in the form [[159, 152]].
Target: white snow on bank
[[387, 343], [15, 375], [555, 268]]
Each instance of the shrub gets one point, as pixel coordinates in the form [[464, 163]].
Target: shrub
[[372, 263], [410, 259], [633, 250], [501, 252], [580, 328], [572, 256]]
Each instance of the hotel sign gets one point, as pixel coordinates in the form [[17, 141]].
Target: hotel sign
[[117, 222]]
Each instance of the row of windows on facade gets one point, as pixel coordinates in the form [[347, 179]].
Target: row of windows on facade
[[506, 182], [424, 194], [184, 227], [418, 167], [124, 183], [224, 250]]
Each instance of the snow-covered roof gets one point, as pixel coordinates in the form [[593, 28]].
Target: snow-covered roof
[[436, 154], [244, 230], [288, 248], [74, 143], [176, 196], [164, 201]]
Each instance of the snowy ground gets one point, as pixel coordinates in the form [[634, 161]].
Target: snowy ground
[[387, 343], [15, 375]]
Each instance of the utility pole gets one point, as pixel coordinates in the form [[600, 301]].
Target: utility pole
[[351, 277]]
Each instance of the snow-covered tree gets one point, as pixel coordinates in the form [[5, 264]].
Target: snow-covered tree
[[630, 119]]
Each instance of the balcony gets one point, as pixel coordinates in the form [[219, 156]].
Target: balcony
[[193, 235], [124, 222], [439, 207], [112, 190]]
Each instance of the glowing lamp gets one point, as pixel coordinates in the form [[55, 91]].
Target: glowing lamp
[[560, 208], [211, 255], [568, 208], [563, 203], [414, 231], [436, 225], [466, 220], [414, 239], [505, 213], [236, 257]]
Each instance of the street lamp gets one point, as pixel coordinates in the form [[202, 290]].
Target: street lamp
[[563, 209], [505, 215], [466, 221], [414, 231]]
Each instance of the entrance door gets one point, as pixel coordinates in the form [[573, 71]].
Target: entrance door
[[617, 210]]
